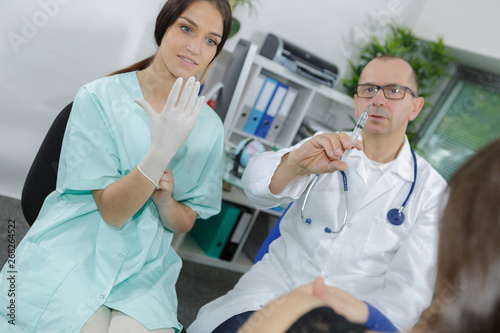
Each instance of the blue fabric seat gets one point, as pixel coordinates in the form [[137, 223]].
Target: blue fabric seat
[[275, 233]]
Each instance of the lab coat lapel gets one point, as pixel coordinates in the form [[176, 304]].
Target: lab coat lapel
[[356, 181], [382, 186], [398, 173], [359, 166]]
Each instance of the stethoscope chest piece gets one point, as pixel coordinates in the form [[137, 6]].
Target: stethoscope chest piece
[[395, 216]]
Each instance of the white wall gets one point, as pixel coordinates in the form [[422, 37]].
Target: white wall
[[49, 48], [470, 29], [333, 30]]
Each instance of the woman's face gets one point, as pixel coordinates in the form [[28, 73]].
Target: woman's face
[[190, 43]]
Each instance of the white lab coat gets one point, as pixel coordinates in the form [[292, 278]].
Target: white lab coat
[[391, 267]]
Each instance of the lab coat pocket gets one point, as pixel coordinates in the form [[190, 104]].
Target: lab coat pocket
[[382, 243], [40, 273]]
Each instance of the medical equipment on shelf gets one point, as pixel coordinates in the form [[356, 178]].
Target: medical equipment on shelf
[[395, 215]]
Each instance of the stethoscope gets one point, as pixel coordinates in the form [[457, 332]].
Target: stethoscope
[[395, 215]]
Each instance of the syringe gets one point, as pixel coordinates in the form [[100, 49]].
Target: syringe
[[359, 126]]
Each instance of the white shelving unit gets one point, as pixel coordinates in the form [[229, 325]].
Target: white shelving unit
[[316, 101]]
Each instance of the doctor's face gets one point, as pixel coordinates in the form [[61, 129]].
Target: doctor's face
[[387, 116], [190, 43]]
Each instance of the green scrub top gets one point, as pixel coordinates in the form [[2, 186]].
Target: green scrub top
[[71, 262]]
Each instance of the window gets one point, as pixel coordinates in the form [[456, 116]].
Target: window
[[465, 119]]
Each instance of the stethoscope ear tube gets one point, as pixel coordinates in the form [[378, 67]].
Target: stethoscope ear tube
[[309, 221], [306, 220]]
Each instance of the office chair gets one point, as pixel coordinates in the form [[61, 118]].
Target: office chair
[[273, 234], [42, 176]]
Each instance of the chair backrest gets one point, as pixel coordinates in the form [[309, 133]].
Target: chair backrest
[[273, 234], [42, 176]]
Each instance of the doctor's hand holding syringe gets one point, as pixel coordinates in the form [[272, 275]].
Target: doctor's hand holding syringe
[[320, 154], [323, 153]]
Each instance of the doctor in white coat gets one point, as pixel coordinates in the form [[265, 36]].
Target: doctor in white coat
[[389, 265]]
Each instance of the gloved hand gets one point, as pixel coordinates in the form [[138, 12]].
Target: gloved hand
[[171, 127]]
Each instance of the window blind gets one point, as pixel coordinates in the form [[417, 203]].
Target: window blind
[[468, 117]]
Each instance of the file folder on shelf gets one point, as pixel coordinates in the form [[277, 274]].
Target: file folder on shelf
[[279, 120], [261, 105], [236, 235], [272, 110], [213, 233], [250, 99], [256, 237]]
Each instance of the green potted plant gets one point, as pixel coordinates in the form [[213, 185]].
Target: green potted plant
[[429, 59], [235, 26]]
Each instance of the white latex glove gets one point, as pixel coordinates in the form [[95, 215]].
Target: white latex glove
[[170, 128]]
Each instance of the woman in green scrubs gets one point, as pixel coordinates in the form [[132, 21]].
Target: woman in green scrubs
[[98, 257]]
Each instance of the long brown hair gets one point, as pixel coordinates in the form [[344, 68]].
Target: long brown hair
[[467, 291], [168, 15]]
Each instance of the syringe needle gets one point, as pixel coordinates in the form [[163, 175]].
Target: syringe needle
[[357, 130], [355, 134]]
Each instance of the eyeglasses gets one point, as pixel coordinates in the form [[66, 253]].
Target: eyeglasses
[[391, 91]]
